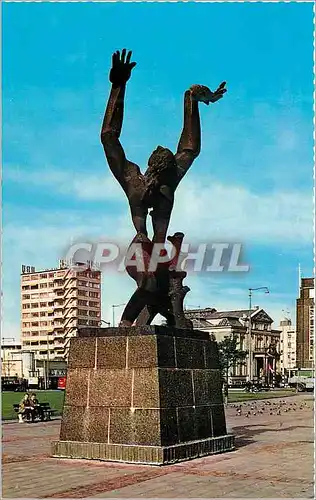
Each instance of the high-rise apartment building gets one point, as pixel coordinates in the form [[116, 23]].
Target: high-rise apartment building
[[305, 324], [54, 303], [287, 346]]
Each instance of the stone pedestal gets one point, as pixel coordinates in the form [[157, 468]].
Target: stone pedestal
[[149, 395]]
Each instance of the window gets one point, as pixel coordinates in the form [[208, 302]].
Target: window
[[93, 323], [25, 296], [82, 321], [94, 304], [83, 303], [94, 314], [43, 275], [82, 312]]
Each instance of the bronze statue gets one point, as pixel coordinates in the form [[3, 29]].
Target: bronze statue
[[152, 190]]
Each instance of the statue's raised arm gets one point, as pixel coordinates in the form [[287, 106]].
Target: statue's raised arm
[[113, 120], [190, 140]]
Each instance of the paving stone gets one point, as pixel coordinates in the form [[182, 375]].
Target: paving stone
[[273, 459]]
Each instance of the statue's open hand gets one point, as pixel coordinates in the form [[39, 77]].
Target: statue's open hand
[[121, 69], [204, 94]]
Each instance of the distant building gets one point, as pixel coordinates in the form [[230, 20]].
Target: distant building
[[11, 360], [287, 346], [265, 346], [305, 324], [54, 303]]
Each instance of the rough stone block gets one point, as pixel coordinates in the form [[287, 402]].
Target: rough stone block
[[175, 388], [147, 427], [216, 387], [166, 351], [81, 353], [186, 424], [110, 388], [121, 426], [111, 352], [146, 388], [142, 351], [202, 422], [169, 426], [190, 353], [218, 421], [211, 355], [77, 387], [98, 424], [72, 425]]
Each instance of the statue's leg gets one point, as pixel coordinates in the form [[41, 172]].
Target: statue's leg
[[135, 305], [146, 316], [160, 215], [139, 215]]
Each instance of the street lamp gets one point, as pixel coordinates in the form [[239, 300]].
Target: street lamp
[[106, 322], [113, 311], [249, 368]]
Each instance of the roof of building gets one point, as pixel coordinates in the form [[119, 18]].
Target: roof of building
[[229, 317], [201, 322], [231, 314]]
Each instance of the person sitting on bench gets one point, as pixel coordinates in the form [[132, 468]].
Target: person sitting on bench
[[38, 410], [24, 408]]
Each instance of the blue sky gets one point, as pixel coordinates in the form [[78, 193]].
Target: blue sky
[[252, 182]]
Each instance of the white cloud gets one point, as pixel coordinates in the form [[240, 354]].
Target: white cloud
[[204, 207], [212, 210], [70, 183]]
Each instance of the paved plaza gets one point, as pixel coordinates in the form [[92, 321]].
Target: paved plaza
[[273, 459]]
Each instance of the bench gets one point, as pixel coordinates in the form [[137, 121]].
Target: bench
[[47, 410], [44, 407]]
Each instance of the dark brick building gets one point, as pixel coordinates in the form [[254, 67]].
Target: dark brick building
[[305, 324]]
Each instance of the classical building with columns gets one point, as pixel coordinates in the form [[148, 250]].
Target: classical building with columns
[[265, 341]]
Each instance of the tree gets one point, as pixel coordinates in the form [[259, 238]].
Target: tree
[[229, 355]]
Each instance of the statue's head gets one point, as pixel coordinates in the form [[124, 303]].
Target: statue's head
[[161, 159]]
